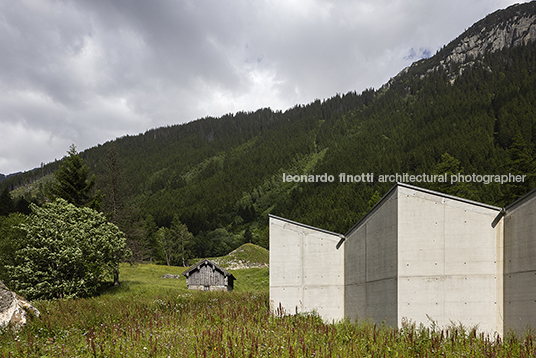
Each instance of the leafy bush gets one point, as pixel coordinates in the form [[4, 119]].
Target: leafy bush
[[67, 252]]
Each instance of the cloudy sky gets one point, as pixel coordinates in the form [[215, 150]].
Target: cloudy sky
[[84, 72]]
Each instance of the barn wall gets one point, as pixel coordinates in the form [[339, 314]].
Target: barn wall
[[306, 270], [371, 265], [206, 275], [520, 265], [211, 288], [450, 261]]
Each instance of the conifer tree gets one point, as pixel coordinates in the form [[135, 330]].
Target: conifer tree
[[152, 240], [7, 206], [521, 163], [74, 183], [451, 166]]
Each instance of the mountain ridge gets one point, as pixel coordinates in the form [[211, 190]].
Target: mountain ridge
[[510, 27], [223, 176]]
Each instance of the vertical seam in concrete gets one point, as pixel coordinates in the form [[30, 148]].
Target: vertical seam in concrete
[[365, 281], [397, 258], [443, 304], [499, 268], [343, 282], [302, 259]]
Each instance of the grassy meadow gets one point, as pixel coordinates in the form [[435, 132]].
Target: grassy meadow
[[147, 316]]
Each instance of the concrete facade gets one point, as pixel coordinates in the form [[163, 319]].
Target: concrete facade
[[418, 255], [306, 269], [520, 264], [371, 265], [425, 256]]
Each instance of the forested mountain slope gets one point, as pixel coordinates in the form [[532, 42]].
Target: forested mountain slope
[[468, 109]]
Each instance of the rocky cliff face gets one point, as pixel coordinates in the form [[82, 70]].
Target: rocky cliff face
[[518, 30], [506, 28], [14, 310]]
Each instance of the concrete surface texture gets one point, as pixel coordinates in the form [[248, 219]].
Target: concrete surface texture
[[306, 270], [520, 264], [418, 255], [371, 264], [450, 264]]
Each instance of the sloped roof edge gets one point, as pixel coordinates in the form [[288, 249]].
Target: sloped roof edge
[[472, 202], [207, 261], [520, 200], [413, 187], [305, 225]]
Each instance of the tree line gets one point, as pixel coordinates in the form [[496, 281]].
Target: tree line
[[203, 188]]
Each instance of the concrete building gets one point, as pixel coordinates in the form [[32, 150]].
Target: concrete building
[[418, 255], [520, 263], [422, 255], [306, 270]]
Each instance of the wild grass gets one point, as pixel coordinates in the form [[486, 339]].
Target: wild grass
[[152, 317]]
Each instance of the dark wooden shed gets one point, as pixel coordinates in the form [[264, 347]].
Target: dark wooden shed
[[207, 276]]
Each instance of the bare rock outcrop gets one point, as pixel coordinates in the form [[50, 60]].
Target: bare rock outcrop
[[516, 31], [14, 310], [511, 27], [168, 275]]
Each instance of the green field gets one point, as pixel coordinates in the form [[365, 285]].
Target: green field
[[147, 316]]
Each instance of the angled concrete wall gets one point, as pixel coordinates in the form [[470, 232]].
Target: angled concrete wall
[[450, 261], [423, 256], [306, 269], [520, 264], [371, 265], [417, 255]]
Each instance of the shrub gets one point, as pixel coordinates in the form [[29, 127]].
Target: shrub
[[67, 252]]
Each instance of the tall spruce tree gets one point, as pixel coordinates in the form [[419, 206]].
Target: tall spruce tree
[[7, 205], [521, 163], [74, 183]]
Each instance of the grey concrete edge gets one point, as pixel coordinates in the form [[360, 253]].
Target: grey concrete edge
[[520, 200], [304, 225], [512, 206], [413, 187]]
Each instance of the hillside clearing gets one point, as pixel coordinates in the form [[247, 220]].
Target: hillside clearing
[[244, 257]]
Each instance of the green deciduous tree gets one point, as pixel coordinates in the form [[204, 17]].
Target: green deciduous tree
[[175, 243], [181, 240], [67, 252]]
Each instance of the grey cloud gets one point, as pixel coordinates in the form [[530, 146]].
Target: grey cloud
[[87, 71]]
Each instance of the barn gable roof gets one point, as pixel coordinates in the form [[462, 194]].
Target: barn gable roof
[[209, 263]]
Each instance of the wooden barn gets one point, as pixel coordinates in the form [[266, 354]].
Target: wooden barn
[[207, 276]]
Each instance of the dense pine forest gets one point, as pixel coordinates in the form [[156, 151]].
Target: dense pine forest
[[221, 177]]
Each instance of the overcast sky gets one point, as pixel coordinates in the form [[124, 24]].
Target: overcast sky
[[84, 72]]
